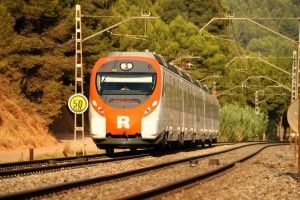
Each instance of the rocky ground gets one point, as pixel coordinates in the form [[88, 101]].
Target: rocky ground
[[270, 175]]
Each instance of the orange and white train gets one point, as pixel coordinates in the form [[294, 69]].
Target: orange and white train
[[138, 100]]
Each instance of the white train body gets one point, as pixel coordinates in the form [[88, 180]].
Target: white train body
[[161, 106]]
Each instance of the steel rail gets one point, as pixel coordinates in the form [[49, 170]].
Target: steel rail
[[12, 165], [96, 180], [190, 180], [52, 164]]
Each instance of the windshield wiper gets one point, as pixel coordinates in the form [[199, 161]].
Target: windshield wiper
[[149, 91], [102, 84]]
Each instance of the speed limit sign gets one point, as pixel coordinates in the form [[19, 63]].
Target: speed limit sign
[[78, 103]]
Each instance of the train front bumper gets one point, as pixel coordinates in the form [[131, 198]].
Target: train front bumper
[[125, 142]]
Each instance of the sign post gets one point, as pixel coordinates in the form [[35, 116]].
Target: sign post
[[79, 62], [78, 104]]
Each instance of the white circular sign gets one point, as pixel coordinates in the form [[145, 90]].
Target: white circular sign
[[293, 114]]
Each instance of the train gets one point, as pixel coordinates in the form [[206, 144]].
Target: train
[[138, 100]]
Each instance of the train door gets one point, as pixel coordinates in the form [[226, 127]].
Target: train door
[[175, 99], [194, 89], [204, 114], [165, 100], [185, 108], [212, 114], [181, 105], [189, 111], [183, 115], [207, 115], [170, 104], [198, 113]]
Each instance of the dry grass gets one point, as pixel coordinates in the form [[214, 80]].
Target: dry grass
[[19, 129]]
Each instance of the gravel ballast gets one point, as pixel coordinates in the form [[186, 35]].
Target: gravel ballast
[[270, 175]]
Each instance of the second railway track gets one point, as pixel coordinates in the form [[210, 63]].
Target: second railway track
[[36, 166]]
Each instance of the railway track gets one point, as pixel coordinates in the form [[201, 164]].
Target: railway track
[[128, 174], [36, 163], [36, 166], [187, 182]]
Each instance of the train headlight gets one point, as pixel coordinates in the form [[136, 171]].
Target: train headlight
[[126, 66]]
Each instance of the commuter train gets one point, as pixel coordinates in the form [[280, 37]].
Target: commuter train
[[139, 100]]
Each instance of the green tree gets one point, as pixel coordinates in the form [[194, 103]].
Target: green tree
[[168, 10], [37, 50]]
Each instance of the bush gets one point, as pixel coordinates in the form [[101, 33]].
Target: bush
[[241, 124]]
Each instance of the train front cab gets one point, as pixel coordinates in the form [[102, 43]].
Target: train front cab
[[125, 117]]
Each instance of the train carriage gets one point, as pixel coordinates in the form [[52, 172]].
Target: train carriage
[[139, 100]]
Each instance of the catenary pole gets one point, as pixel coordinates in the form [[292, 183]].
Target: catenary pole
[[79, 63]]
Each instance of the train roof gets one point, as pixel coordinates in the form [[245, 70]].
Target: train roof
[[162, 62], [131, 53]]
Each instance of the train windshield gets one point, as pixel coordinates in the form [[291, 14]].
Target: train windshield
[[126, 84]]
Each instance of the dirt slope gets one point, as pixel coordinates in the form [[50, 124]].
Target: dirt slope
[[19, 129]]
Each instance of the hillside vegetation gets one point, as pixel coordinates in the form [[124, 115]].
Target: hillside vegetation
[[20, 128], [38, 47]]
